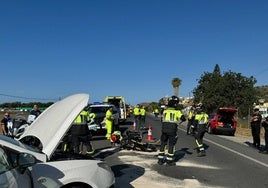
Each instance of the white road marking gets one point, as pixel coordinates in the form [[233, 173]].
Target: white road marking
[[241, 154]]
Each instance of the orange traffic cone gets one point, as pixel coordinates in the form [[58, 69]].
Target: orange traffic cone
[[150, 134], [134, 126]]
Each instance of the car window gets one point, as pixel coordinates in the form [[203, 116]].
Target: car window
[[4, 163], [115, 110]]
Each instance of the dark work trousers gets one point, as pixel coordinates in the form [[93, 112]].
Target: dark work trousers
[[137, 119], [199, 134], [190, 122], [266, 138], [142, 121], [81, 134], [255, 131], [85, 140], [171, 140]]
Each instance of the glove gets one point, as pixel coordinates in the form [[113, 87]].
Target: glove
[[93, 127]]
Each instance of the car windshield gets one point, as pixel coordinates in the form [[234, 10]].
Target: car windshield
[[98, 109]]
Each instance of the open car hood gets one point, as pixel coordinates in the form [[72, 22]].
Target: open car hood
[[52, 124], [227, 110]]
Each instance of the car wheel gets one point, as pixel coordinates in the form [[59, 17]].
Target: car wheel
[[232, 133]]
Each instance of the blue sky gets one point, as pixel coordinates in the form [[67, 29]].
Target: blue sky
[[54, 48]]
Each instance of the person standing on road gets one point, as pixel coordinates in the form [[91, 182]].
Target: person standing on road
[[190, 118], [80, 133], [255, 124], [109, 119], [163, 107], [170, 122], [156, 112], [142, 116], [265, 126], [137, 117], [200, 123], [4, 124], [34, 113]]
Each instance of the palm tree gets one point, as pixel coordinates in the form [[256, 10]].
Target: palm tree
[[176, 82]]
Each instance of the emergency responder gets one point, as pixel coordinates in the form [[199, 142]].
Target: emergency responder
[[171, 119], [142, 116], [137, 117], [4, 123], [200, 123], [109, 120], [255, 124], [163, 107], [116, 138], [190, 118], [81, 134], [156, 112], [265, 126]]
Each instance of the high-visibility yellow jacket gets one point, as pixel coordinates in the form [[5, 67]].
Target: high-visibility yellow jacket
[[82, 118], [201, 118], [143, 112], [136, 111]]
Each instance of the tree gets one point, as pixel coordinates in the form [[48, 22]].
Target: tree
[[176, 82], [231, 89]]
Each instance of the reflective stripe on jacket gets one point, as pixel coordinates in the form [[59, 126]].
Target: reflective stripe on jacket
[[82, 118], [171, 115], [170, 121], [201, 118]]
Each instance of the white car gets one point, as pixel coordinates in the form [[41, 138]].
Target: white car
[[35, 160], [100, 110]]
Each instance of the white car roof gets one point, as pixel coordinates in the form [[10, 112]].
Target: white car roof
[[51, 125], [101, 105]]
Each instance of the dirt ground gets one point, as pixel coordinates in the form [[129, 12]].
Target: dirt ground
[[247, 132], [243, 131]]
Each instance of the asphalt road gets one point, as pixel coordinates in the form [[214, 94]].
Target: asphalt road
[[230, 162]]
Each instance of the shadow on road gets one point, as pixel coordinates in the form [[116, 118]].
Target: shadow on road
[[102, 153], [179, 154], [261, 148], [124, 174]]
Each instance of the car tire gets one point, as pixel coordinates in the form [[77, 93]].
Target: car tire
[[232, 133]]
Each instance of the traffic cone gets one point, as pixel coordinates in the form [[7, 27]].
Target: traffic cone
[[150, 134], [134, 126]]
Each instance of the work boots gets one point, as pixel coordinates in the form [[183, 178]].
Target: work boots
[[161, 158], [161, 161], [201, 152], [170, 160]]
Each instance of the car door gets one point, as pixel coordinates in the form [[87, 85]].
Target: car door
[[116, 115], [10, 176]]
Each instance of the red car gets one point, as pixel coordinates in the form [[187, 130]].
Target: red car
[[223, 121]]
